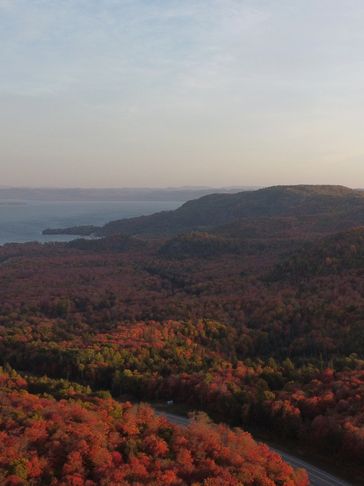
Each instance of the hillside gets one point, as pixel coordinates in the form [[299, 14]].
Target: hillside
[[193, 317], [84, 439], [332, 207], [198, 244], [334, 254], [116, 243]]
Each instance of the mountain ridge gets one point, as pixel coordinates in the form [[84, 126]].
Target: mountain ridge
[[217, 209]]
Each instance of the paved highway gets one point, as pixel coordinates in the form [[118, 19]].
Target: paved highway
[[317, 476]]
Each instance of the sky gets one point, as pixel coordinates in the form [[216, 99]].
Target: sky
[[135, 93]]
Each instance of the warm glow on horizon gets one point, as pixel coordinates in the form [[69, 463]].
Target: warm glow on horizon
[[140, 93]]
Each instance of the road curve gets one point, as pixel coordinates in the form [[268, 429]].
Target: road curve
[[318, 477]]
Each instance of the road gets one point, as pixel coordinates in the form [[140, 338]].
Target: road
[[318, 477]]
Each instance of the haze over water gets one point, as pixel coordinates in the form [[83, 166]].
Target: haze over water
[[26, 220]]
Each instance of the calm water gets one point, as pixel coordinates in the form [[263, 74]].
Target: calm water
[[25, 222]]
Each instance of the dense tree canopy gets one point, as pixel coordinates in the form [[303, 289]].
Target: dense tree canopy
[[254, 326], [82, 439]]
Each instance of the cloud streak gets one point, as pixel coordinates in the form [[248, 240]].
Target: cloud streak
[[232, 84]]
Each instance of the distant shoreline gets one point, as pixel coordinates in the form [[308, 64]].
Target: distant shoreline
[[13, 203], [18, 194]]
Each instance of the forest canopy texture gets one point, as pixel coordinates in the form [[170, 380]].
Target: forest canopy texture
[[247, 306]]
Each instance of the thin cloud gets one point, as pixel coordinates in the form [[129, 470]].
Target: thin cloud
[[240, 85]]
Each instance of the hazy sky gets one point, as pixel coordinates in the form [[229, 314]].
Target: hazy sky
[[175, 92]]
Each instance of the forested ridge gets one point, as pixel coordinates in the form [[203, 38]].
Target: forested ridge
[[258, 322], [316, 208]]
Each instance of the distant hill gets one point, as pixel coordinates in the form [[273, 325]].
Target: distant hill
[[200, 245], [322, 209], [334, 254]]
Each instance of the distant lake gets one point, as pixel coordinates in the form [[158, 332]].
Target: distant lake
[[24, 221]]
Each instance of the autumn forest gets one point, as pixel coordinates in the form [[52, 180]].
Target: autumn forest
[[244, 308]]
